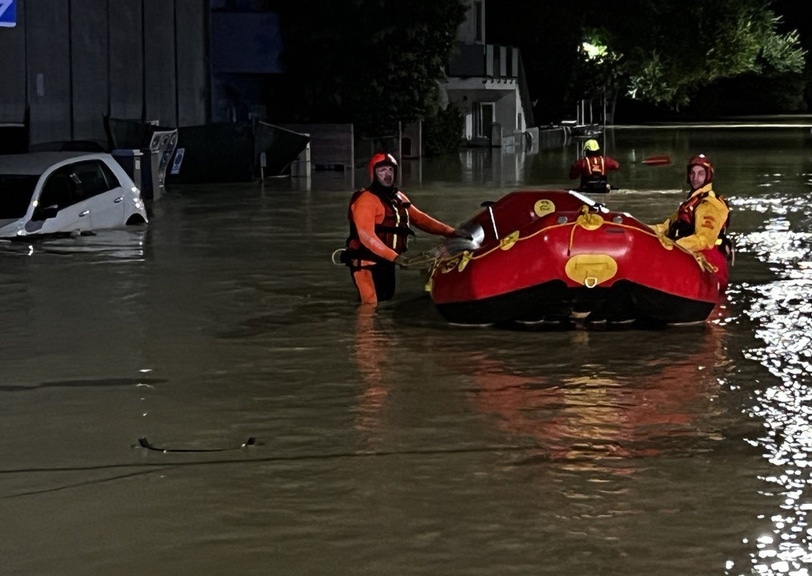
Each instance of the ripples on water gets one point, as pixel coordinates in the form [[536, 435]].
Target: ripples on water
[[113, 245], [782, 318], [390, 443]]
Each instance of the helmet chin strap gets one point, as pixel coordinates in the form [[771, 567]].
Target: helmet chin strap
[[380, 189]]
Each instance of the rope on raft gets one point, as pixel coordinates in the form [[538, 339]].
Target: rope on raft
[[585, 220]]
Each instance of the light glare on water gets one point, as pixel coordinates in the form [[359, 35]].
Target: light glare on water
[[389, 442]]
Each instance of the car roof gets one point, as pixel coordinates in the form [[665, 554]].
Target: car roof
[[35, 163]]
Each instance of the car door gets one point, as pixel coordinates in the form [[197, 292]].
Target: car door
[[60, 206], [102, 193]]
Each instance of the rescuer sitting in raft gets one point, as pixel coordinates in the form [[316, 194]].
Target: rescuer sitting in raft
[[380, 216], [701, 221], [592, 168]]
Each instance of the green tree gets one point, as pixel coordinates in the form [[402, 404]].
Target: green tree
[[370, 62], [442, 133], [665, 52]]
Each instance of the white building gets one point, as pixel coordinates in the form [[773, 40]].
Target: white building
[[486, 82]]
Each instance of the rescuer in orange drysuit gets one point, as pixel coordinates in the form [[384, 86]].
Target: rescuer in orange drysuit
[[701, 221], [380, 216], [592, 168]]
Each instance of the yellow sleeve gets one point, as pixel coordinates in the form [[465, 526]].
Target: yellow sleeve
[[709, 218], [662, 228]]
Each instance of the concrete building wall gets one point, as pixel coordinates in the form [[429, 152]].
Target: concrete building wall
[[508, 109], [90, 69], [12, 71], [192, 40], [126, 59], [48, 69], [70, 63], [472, 29], [159, 60]]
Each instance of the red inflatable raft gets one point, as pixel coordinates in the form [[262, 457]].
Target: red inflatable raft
[[557, 256]]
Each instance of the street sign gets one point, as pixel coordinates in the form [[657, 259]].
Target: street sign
[[8, 13]]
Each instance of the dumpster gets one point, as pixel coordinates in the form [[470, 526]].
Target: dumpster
[[131, 161], [162, 146], [155, 147]]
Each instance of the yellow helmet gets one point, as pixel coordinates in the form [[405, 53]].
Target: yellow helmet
[[591, 146]]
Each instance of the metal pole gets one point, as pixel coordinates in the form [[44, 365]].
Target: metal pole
[[604, 119]]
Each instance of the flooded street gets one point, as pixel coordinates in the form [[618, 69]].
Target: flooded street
[[202, 395]]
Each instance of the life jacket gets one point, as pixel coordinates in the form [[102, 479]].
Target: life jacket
[[685, 222], [596, 165], [394, 231], [595, 180]]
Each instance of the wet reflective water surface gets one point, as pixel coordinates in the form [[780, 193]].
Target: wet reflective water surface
[[202, 395]]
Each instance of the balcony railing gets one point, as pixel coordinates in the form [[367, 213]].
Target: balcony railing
[[484, 60]]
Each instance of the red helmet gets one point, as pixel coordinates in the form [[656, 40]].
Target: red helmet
[[380, 159], [701, 160]]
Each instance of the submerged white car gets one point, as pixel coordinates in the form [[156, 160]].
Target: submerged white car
[[45, 193]]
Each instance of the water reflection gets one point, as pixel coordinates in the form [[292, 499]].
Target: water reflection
[[428, 448], [375, 349], [782, 315], [593, 402], [616, 411], [115, 245], [588, 418]]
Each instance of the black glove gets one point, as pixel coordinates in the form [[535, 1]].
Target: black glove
[[401, 260], [461, 233]]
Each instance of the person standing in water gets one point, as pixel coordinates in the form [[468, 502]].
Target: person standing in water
[[592, 168], [380, 218], [701, 221]]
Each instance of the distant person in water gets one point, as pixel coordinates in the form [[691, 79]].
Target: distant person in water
[[380, 216], [701, 221], [592, 168]]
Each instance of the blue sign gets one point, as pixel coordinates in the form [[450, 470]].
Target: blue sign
[[178, 161], [8, 13]]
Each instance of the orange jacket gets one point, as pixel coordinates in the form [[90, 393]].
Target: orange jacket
[[368, 212], [593, 165]]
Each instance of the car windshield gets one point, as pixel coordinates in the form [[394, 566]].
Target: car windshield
[[15, 195]]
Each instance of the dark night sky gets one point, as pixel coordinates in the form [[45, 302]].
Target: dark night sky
[[797, 14]]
